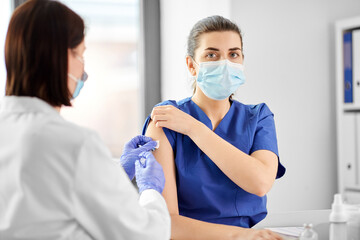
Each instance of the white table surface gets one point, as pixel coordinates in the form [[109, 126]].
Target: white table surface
[[319, 219]]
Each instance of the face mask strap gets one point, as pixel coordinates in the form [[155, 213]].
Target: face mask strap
[[195, 62], [72, 77], [194, 77], [83, 78], [80, 59]]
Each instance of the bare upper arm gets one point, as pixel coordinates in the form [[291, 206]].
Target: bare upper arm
[[165, 156], [269, 159]]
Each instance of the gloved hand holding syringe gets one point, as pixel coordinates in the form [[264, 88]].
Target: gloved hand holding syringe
[[137, 159], [132, 150], [142, 159]]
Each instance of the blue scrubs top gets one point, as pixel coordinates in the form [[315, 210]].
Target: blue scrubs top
[[204, 191]]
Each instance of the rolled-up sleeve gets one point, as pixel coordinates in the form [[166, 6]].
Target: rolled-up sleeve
[[265, 134], [108, 206]]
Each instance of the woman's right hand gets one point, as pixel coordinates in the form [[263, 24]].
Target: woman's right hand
[[173, 118]]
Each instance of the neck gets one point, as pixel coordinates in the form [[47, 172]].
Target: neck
[[214, 109], [57, 109]]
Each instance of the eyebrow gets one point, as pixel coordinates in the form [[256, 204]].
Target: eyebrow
[[215, 49], [235, 48]]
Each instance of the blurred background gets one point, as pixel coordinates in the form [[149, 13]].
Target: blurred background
[[135, 58]]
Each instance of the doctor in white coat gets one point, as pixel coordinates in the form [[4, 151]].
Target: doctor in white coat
[[58, 180]]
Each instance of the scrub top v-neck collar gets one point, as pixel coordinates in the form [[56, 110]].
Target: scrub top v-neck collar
[[206, 120]]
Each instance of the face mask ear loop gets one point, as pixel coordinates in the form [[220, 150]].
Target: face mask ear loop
[[72, 77], [195, 62], [196, 65]]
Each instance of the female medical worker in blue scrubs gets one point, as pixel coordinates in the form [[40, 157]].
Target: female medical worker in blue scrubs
[[219, 156], [58, 180]]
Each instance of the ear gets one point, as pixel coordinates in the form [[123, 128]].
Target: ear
[[191, 66]]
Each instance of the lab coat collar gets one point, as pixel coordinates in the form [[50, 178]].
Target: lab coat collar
[[26, 104]]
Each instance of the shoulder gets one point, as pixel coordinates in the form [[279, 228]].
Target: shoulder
[[82, 136], [167, 102], [81, 142], [64, 144], [76, 129], [86, 143], [63, 133], [178, 104], [260, 110], [149, 129]]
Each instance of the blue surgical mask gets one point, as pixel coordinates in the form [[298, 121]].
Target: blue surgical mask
[[79, 83], [219, 79]]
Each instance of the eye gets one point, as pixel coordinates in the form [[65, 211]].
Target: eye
[[211, 55], [234, 55]]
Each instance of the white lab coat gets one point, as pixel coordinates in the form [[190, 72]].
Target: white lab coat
[[58, 181]]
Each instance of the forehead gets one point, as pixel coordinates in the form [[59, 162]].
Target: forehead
[[222, 40]]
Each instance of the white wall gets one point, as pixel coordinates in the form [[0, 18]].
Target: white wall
[[177, 19], [5, 11], [289, 60], [289, 64]]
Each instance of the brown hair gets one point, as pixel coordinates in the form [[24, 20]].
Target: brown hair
[[36, 50], [210, 24]]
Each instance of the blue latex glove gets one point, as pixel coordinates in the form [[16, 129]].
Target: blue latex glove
[[149, 173], [132, 150]]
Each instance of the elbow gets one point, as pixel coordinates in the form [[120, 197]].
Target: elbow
[[167, 226], [163, 229], [262, 189], [164, 232], [263, 186], [260, 193]]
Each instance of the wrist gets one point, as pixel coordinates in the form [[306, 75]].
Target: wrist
[[194, 128], [144, 187], [240, 233]]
